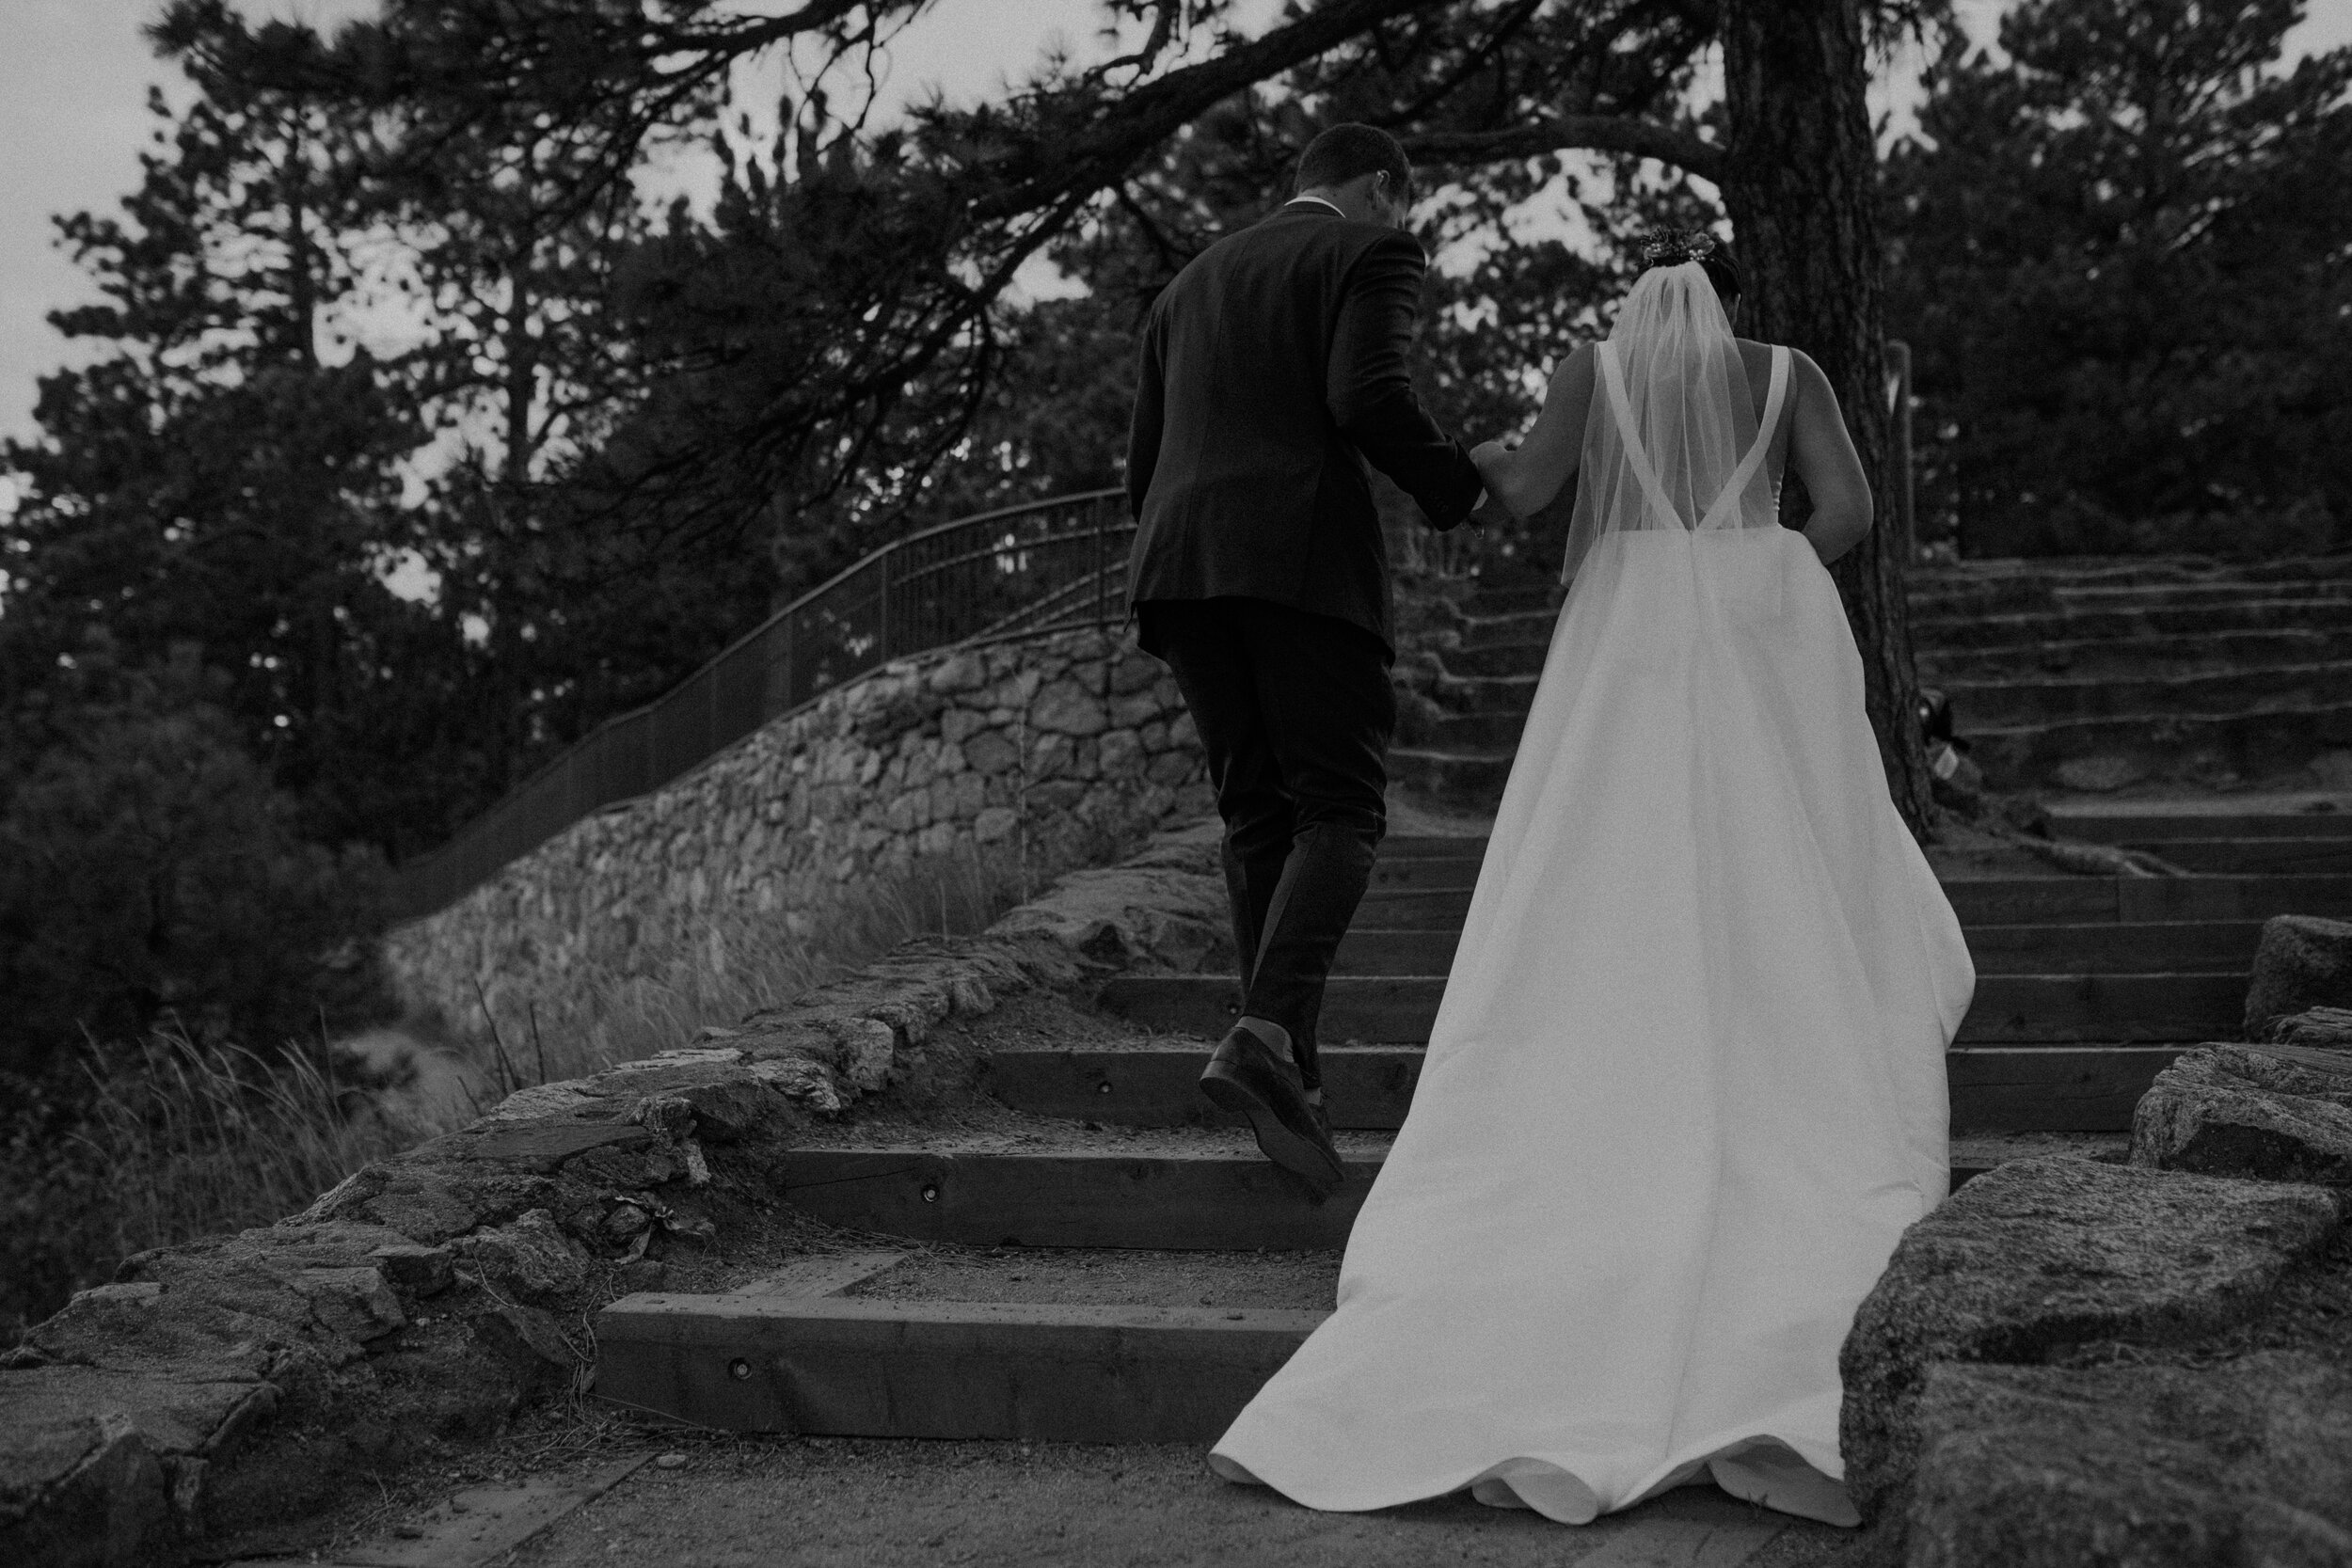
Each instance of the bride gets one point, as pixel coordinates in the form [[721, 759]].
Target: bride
[[1686, 1087]]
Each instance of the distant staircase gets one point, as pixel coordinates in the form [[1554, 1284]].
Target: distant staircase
[[2075, 676]]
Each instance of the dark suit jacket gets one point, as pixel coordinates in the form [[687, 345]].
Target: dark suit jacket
[[1274, 367]]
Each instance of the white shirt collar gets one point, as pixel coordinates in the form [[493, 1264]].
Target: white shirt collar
[[1317, 200]]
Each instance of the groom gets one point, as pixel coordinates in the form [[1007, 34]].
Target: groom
[[1273, 371]]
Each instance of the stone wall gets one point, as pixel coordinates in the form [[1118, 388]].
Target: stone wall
[[1017, 748]]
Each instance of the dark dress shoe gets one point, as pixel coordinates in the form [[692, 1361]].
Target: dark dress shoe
[[1243, 1077]]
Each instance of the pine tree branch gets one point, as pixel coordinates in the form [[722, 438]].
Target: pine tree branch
[[1563, 132]]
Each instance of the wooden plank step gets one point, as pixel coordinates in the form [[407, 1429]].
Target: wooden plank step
[[2090, 947], [2251, 856], [2010, 1008], [852, 1367], [1993, 1088], [1213, 1202], [1219, 1201], [2134, 826], [2115, 947], [2046, 1089], [1995, 900]]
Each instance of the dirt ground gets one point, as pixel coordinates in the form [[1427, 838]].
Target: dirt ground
[[863, 1503], [1106, 1276]]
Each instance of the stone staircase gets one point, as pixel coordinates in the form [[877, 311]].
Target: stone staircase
[[1121, 1266], [2087, 674]]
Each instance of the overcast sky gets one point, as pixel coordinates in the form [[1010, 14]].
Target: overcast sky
[[73, 119], [75, 75]]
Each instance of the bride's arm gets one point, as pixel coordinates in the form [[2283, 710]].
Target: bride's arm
[[1527, 479], [1821, 452]]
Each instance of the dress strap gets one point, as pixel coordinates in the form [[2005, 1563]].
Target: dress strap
[[1741, 476], [1636, 457]]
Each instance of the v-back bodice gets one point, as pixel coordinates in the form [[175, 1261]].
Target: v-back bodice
[[1723, 511]]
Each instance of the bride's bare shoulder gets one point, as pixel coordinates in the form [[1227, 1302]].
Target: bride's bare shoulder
[[1575, 369]]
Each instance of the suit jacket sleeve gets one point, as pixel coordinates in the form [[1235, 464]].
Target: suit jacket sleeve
[[1369, 385], [1143, 428]]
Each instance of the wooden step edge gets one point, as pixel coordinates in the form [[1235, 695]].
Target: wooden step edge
[[1993, 1088], [853, 1367]]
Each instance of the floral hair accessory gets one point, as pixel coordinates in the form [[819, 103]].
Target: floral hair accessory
[[1671, 247]]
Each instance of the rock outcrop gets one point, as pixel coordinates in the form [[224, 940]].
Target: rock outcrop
[[2303, 962], [2159, 1467], [2282, 1113], [1949, 1366]]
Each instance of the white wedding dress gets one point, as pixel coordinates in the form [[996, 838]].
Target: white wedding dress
[[1686, 1086]]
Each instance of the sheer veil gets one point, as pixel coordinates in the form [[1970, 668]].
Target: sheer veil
[[1678, 371]]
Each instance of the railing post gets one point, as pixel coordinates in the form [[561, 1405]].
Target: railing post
[[1906, 516], [790, 626], [1102, 568], [890, 553]]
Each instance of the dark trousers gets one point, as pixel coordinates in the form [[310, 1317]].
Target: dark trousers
[[1294, 711]]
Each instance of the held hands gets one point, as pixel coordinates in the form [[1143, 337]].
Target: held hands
[[1493, 460]]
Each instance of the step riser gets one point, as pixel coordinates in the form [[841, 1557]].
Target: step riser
[[1996, 901], [2152, 827], [2009, 1009], [2106, 625], [1527, 625], [856, 1369], [2252, 857], [1979, 704], [1171, 1203], [2248, 745], [1491, 713], [2129, 659], [1174, 1203], [1461, 732], [2057, 601], [1496, 659], [1470, 779], [2089, 948], [1502, 695], [2037, 1090], [2097, 571]]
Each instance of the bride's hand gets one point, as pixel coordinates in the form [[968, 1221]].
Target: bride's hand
[[1491, 458]]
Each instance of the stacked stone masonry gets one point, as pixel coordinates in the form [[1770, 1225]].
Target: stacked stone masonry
[[1022, 748]]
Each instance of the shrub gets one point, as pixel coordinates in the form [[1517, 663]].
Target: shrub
[[152, 877]]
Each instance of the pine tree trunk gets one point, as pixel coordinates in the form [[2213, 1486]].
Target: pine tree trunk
[[1801, 188]]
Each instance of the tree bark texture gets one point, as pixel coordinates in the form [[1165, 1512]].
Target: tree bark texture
[[1799, 183]]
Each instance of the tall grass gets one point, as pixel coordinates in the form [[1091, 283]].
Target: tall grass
[[138, 1146]]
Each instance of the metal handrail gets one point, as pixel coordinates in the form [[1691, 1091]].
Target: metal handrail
[[1018, 571]]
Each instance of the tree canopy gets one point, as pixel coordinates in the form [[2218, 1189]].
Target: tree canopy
[[2120, 255], [597, 439]]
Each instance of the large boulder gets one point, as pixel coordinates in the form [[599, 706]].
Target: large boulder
[[2279, 1112], [2303, 962], [2158, 1467], [2041, 1256]]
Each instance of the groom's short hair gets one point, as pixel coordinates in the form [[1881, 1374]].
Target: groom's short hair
[[1349, 152]]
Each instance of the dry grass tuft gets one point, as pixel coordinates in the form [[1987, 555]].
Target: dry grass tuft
[[144, 1145]]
